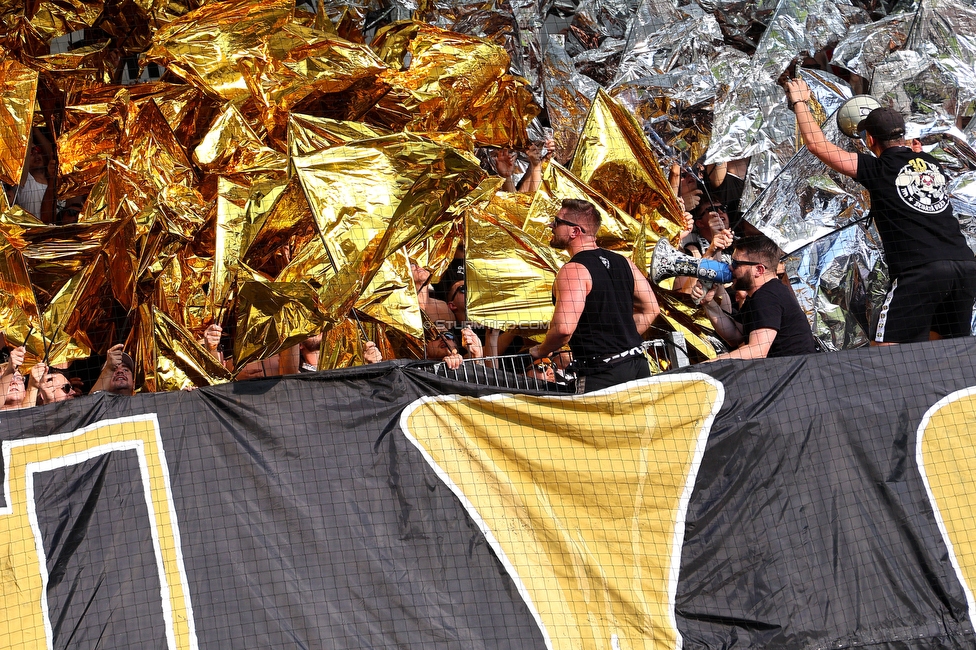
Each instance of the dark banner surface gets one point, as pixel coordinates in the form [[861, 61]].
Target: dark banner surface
[[796, 503]]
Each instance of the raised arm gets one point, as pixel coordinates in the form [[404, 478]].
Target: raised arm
[[211, 341], [845, 162], [505, 166], [38, 375], [533, 176], [7, 374], [726, 326], [113, 359], [573, 283], [371, 353], [645, 303], [436, 310], [716, 173]]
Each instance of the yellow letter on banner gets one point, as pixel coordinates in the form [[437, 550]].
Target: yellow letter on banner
[[24, 619], [582, 498], [946, 457]]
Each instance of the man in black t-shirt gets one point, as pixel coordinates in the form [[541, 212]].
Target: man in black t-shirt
[[770, 323], [932, 269], [603, 304]]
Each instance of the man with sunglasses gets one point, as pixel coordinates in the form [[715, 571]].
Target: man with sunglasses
[[476, 339], [770, 323], [932, 269], [445, 346], [470, 336], [710, 239], [118, 373], [603, 304], [49, 385]]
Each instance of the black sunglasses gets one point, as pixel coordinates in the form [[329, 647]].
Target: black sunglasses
[[462, 289], [714, 207], [739, 263], [449, 337], [562, 222], [542, 364]]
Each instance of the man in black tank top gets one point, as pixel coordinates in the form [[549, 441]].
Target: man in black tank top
[[603, 304]]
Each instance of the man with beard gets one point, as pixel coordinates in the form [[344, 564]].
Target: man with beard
[[603, 304], [710, 239], [770, 323], [118, 373]]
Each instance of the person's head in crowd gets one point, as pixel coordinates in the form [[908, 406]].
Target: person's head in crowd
[[15, 392], [711, 217], [311, 344], [575, 219], [12, 382], [754, 262], [54, 387], [457, 300], [451, 276], [886, 126], [123, 377], [542, 370], [118, 373], [270, 367], [690, 190], [440, 345], [421, 276], [71, 210]]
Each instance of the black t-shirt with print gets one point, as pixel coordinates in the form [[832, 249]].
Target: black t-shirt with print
[[774, 306], [910, 205]]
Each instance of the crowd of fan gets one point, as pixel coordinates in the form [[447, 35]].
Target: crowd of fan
[[705, 193]]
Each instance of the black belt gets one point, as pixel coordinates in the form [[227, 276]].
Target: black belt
[[594, 365], [637, 349]]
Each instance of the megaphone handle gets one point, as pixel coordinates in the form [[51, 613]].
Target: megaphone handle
[[707, 286]]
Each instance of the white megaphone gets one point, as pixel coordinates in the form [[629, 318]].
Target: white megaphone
[[668, 262]]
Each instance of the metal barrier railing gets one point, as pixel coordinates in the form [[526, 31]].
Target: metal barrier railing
[[515, 372], [518, 372]]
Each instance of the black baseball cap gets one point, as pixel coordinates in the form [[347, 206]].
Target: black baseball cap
[[883, 124], [453, 274]]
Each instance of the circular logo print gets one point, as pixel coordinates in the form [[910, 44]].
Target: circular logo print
[[922, 186]]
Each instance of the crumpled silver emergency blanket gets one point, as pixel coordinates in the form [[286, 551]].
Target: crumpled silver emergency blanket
[[839, 280]]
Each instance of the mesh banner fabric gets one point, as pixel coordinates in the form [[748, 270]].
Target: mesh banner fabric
[[796, 503], [487, 325]]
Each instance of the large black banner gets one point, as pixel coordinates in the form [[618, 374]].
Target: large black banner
[[816, 502]]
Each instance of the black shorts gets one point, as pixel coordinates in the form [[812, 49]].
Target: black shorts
[[937, 297]]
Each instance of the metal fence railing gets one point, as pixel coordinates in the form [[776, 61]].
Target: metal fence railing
[[519, 372], [515, 372]]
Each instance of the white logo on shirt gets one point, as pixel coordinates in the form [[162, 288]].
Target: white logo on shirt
[[605, 261], [922, 186]]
